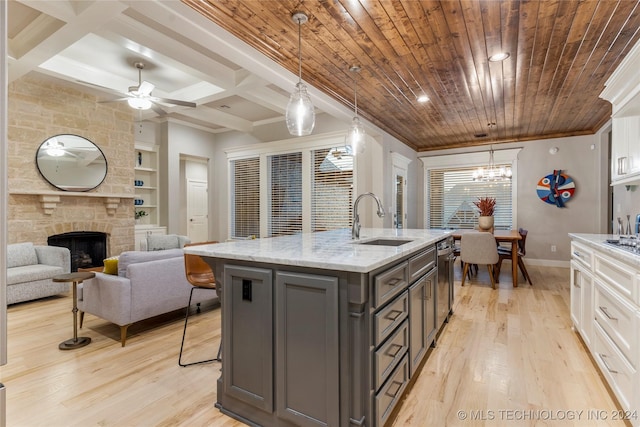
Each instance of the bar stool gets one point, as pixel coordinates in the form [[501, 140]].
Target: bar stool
[[201, 276]]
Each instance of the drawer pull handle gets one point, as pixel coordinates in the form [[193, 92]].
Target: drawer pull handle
[[398, 385], [606, 313], [576, 253], [397, 347], [606, 365], [394, 314], [394, 281]]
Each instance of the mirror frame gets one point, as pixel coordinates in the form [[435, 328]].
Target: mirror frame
[[40, 154]]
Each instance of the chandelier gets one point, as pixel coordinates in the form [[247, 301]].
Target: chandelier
[[492, 173]]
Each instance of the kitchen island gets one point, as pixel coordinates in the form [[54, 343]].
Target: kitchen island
[[319, 329]]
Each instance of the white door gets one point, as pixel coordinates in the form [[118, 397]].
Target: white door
[[197, 211]]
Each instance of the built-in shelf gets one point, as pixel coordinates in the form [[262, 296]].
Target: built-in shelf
[[49, 199], [146, 173]]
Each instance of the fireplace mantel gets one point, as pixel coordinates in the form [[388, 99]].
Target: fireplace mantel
[[49, 199]]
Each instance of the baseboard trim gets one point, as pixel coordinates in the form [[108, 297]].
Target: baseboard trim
[[547, 262]]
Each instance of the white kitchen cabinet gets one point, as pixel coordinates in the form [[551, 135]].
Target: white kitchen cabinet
[[605, 310], [625, 150]]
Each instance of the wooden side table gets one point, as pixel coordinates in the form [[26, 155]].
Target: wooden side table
[[74, 278]]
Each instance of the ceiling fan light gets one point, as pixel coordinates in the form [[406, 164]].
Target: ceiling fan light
[[55, 148], [300, 114], [139, 103]]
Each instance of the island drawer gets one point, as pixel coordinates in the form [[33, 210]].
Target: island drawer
[[582, 254], [390, 354], [390, 317], [390, 283], [617, 318], [391, 392], [614, 366], [421, 263], [616, 274]]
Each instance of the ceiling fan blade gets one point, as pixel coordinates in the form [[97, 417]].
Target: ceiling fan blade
[[113, 100], [174, 101], [157, 109], [145, 88]]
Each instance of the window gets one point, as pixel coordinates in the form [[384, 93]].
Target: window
[[452, 192], [331, 189], [246, 197], [285, 174]]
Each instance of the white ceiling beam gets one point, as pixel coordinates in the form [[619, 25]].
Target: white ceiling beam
[[89, 19]]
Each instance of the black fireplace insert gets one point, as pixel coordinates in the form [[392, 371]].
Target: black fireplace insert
[[88, 248]]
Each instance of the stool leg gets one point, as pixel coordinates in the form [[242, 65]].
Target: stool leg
[[184, 333]]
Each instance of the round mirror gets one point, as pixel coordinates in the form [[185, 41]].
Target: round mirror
[[71, 163]]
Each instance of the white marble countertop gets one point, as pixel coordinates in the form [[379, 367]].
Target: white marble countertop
[[331, 250], [597, 241]]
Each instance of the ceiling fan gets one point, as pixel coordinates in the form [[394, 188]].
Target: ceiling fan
[[140, 98]]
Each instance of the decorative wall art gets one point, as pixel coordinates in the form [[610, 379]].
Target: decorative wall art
[[556, 188]]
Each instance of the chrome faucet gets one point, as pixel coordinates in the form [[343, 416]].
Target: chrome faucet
[[355, 227]]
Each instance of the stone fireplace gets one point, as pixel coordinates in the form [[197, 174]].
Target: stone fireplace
[[39, 108]]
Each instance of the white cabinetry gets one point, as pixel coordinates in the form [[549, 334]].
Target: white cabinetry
[[625, 150], [582, 290], [622, 90], [605, 309]]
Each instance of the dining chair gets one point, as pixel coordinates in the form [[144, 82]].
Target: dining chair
[[479, 248], [505, 253], [201, 276]]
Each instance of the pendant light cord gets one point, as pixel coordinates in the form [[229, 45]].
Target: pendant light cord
[[355, 94], [299, 51]]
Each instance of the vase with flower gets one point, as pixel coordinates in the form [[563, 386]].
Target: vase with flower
[[486, 206]]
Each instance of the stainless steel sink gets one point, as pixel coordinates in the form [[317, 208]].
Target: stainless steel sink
[[385, 242]]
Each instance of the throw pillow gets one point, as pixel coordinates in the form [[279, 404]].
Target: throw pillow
[[111, 265], [159, 242], [21, 254]]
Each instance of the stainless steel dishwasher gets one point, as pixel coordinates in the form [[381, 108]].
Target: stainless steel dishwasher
[[444, 290]]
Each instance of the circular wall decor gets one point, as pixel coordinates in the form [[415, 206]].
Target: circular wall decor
[[556, 188]]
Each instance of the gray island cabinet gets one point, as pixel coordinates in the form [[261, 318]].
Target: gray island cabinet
[[320, 330]]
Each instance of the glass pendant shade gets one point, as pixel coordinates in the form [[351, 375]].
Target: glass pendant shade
[[139, 103], [356, 136], [300, 114]]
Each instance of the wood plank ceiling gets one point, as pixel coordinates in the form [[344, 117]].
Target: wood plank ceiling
[[561, 54]]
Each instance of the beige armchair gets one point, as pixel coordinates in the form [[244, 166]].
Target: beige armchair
[[479, 248]]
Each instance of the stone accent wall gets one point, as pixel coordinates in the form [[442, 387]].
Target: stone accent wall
[[40, 107]]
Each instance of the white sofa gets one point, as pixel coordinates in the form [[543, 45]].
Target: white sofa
[[148, 284], [31, 268]]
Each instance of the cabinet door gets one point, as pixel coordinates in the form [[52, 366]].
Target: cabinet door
[[618, 149], [576, 296], [586, 325], [247, 335], [422, 318], [632, 125], [307, 350]]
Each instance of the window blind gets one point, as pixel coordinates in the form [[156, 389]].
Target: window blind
[[452, 192], [246, 197], [331, 189], [285, 171]]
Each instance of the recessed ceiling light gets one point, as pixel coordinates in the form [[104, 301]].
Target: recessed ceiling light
[[501, 56], [422, 99]]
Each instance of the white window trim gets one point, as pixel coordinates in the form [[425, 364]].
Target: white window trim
[[480, 158], [303, 144]]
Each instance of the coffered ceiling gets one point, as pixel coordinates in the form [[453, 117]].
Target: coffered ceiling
[[561, 54]]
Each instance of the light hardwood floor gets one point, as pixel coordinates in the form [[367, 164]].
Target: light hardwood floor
[[507, 357]]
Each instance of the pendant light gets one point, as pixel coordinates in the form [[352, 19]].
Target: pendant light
[[300, 114], [355, 136]]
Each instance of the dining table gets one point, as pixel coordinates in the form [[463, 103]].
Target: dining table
[[507, 236]]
